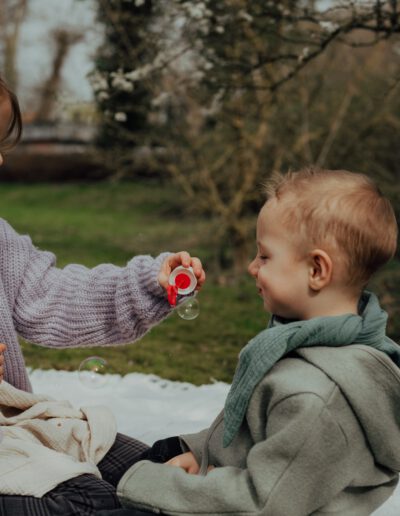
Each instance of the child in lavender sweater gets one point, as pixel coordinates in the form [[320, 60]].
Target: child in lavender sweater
[[71, 307]]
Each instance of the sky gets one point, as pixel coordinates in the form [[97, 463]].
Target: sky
[[148, 407], [35, 49]]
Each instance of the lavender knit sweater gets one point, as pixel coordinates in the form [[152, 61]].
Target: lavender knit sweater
[[73, 306]]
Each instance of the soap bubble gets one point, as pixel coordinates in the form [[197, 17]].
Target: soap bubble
[[189, 309], [92, 372]]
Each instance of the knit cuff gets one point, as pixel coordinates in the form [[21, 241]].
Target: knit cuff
[[150, 269]]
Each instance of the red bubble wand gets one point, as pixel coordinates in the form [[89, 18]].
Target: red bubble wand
[[181, 281]]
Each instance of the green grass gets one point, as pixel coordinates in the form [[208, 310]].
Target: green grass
[[98, 222], [111, 222]]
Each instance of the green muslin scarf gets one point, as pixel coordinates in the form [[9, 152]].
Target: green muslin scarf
[[283, 336]]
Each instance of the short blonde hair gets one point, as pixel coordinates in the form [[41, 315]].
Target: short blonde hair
[[341, 209]]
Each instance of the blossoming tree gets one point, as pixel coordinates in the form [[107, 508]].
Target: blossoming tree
[[229, 94]]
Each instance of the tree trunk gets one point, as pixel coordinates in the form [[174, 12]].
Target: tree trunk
[[63, 42], [11, 17]]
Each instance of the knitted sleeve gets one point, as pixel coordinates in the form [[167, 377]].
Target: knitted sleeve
[[78, 306]]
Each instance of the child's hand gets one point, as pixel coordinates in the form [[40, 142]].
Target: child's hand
[[181, 258], [185, 461], [3, 347]]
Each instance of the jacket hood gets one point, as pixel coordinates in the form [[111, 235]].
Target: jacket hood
[[370, 381]]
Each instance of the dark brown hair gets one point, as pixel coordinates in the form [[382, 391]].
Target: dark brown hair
[[14, 130]]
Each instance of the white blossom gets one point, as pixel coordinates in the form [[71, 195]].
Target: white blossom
[[204, 29], [102, 95], [119, 82], [215, 104], [139, 3], [242, 14], [98, 82], [120, 116], [219, 29], [135, 75], [197, 11], [304, 54], [161, 99], [160, 60], [328, 26]]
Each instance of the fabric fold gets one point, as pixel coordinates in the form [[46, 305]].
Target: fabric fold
[[282, 336], [46, 442]]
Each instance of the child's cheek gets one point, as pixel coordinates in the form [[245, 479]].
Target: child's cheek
[[262, 275]]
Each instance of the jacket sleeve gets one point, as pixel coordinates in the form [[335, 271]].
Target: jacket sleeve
[[195, 443], [303, 463], [75, 305]]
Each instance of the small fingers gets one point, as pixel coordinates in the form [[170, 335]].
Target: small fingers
[[178, 463], [181, 258], [201, 280], [165, 270], [199, 272], [174, 462], [170, 263], [197, 267]]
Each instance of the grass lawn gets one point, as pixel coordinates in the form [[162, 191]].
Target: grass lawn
[[111, 222]]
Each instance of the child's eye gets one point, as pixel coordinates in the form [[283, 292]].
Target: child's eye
[[263, 258]]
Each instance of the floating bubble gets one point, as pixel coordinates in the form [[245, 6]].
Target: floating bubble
[[189, 309], [92, 372]]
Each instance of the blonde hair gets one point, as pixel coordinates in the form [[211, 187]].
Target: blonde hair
[[340, 210]]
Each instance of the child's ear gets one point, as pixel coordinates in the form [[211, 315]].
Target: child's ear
[[320, 269]]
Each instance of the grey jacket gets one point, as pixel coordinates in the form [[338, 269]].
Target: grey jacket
[[321, 436], [72, 306]]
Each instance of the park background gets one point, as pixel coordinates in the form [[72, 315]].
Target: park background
[[151, 126]]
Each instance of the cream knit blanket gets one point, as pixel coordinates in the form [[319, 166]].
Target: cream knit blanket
[[47, 442]]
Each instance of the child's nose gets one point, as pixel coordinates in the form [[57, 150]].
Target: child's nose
[[252, 268]]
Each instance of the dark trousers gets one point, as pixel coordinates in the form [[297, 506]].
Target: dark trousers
[[87, 495], [123, 512], [161, 451], [83, 495]]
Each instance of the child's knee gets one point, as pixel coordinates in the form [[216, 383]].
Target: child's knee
[[83, 494]]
